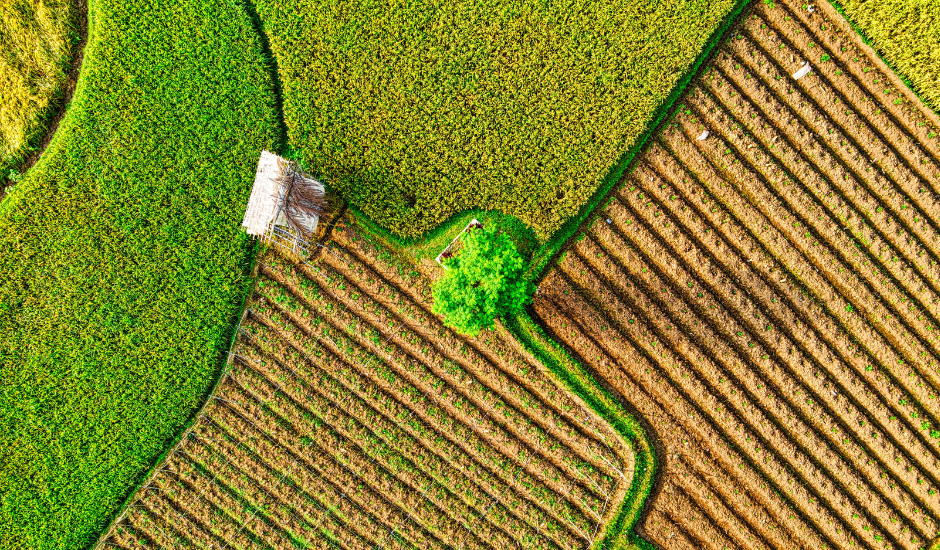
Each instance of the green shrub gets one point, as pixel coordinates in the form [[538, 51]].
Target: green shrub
[[123, 265], [415, 111], [484, 282]]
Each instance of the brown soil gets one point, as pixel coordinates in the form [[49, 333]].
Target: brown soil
[[349, 414], [767, 298]]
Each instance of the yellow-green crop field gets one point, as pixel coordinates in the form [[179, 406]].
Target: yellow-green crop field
[[417, 111]]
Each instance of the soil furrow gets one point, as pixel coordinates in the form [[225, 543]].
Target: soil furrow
[[754, 332], [469, 446], [316, 510], [805, 271], [515, 387], [717, 385], [876, 78], [391, 510], [810, 114], [516, 411], [467, 404], [849, 83], [671, 393], [738, 329], [833, 296], [353, 433], [831, 227], [738, 270]]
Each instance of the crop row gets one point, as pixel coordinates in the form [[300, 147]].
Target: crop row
[[769, 290], [350, 417]]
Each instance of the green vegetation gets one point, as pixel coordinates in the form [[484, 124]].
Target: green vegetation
[[484, 281], [429, 245], [415, 112], [620, 532], [123, 264], [907, 34], [37, 43]]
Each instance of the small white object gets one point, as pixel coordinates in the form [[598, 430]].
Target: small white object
[[608, 220], [702, 136], [804, 70], [810, 8], [438, 258]]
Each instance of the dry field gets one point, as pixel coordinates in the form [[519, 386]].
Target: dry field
[[350, 417], [767, 298]]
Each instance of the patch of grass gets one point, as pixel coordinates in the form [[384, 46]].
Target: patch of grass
[[620, 531], [37, 43], [432, 243], [416, 111], [907, 35], [123, 265]]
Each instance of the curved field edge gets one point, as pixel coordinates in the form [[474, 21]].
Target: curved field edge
[[190, 424], [926, 91], [142, 224], [543, 258], [42, 99], [620, 533], [544, 252]]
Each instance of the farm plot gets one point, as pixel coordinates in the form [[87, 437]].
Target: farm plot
[[350, 417], [767, 297]]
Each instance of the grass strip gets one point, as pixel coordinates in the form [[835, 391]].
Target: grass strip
[[620, 532], [123, 262]]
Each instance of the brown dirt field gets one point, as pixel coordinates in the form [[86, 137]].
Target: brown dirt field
[[350, 417], [768, 297]]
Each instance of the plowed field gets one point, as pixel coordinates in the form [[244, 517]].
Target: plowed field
[[350, 417], [767, 297]]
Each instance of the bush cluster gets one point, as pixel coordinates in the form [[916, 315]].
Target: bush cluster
[[415, 111], [123, 264]]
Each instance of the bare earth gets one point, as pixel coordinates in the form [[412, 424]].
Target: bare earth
[[768, 298]]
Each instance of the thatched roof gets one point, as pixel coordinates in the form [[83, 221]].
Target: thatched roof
[[263, 203], [283, 196]]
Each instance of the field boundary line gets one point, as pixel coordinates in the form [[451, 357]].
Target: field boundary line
[[544, 257], [836, 13], [571, 375]]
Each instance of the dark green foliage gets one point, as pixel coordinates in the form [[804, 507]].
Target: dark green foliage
[[484, 281], [123, 265], [417, 110]]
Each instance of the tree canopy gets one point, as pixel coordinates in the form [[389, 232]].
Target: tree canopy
[[483, 282]]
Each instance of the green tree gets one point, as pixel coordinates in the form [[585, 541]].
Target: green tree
[[484, 281]]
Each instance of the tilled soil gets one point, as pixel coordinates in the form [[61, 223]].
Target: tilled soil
[[350, 417], [767, 297]]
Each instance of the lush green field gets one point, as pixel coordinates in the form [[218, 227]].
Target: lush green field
[[907, 34], [123, 265], [416, 111], [37, 42]]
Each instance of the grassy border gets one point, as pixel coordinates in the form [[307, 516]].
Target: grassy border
[[619, 533], [900, 74], [543, 256]]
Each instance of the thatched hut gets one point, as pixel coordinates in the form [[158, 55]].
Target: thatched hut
[[285, 204]]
